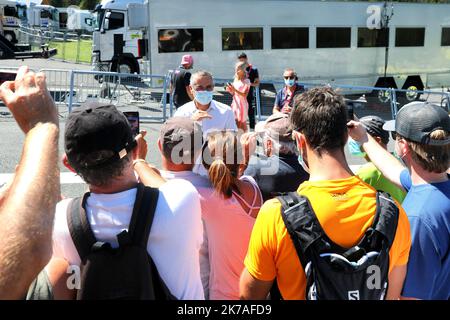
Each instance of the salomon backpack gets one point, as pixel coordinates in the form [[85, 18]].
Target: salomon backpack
[[333, 272]]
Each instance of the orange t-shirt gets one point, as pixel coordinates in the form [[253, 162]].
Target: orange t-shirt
[[345, 209]]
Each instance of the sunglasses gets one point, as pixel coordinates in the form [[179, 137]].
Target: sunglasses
[[290, 78]]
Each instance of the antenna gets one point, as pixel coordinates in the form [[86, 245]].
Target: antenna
[[386, 17]]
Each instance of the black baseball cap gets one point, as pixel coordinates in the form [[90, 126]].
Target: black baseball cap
[[417, 120], [93, 128], [374, 127]]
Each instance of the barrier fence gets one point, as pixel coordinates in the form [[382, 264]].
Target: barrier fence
[[150, 94]]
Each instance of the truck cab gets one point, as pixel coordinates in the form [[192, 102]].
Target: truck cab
[[117, 42], [43, 16], [13, 14]]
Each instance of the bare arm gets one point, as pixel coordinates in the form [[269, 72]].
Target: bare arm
[[396, 278], [251, 288], [256, 82], [389, 166], [27, 211]]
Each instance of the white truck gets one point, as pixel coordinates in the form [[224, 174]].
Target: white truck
[[43, 17], [13, 14], [74, 19], [325, 41]]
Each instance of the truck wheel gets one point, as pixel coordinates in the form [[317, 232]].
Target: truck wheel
[[11, 37], [125, 66]]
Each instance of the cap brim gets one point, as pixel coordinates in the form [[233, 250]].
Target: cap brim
[[389, 125]]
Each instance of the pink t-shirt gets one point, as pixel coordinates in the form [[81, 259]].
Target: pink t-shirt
[[228, 227]]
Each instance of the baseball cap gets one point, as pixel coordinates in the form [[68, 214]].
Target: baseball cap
[[178, 129], [417, 120], [374, 126], [93, 129], [278, 126], [242, 55], [187, 59]]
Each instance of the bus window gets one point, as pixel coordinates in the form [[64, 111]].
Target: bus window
[[368, 38], [445, 41], [242, 38], [409, 37], [333, 37], [180, 40], [290, 38]]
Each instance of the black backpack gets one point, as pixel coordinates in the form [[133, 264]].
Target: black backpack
[[333, 272], [127, 272]]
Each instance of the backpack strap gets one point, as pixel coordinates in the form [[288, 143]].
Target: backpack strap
[[143, 214], [386, 218], [302, 225], [79, 227]]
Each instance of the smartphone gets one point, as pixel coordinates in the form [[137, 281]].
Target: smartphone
[[133, 119], [7, 76], [350, 112]]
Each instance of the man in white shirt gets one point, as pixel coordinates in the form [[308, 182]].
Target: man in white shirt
[[210, 114], [100, 148], [180, 143]]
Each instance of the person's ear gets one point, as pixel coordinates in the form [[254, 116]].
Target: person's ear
[[66, 163], [268, 147], [159, 145], [378, 139]]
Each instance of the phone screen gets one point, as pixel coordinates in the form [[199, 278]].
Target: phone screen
[[133, 119], [7, 76]]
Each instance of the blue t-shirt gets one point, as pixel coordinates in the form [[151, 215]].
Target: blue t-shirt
[[428, 210]]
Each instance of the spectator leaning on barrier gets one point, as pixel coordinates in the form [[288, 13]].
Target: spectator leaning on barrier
[[277, 170], [253, 76], [100, 148], [27, 204], [422, 142], [229, 213], [179, 84], [368, 172], [344, 206], [284, 99]]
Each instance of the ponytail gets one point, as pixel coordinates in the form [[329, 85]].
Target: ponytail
[[221, 178]]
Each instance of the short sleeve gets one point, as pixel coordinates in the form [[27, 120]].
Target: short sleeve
[[405, 180], [424, 262], [260, 259], [402, 242]]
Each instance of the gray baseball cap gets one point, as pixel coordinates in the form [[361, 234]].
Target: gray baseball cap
[[417, 120]]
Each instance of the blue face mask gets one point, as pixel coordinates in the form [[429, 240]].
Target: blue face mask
[[302, 162], [289, 82], [355, 148], [204, 97]]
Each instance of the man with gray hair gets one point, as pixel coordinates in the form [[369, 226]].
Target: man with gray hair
[[277, 170], [210, 114]]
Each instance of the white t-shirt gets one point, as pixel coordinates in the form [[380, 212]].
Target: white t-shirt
[[222, 116], [175, 237]]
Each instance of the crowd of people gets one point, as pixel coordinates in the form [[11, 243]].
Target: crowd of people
[[270, 213]]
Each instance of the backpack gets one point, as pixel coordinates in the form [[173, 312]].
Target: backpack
[[127, 272], [333, 272]]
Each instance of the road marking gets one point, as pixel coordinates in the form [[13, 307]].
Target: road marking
[[65, 178], [72, 178]]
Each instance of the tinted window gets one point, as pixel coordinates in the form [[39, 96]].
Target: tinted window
[[445, 37], [242, 38], [116, 20], [180, 40], [333, 37], [410, 37], [290, 38], [10, 11], [373, 38]]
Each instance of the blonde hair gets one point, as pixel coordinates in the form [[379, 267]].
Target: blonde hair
[[239, 65], [431, 158], [224, 149]]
